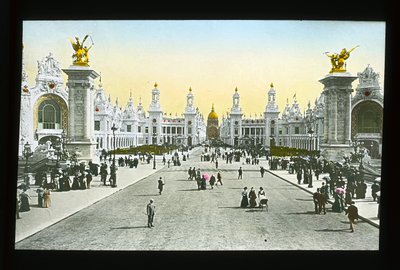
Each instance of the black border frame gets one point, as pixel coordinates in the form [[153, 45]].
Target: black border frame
[[14, 12]]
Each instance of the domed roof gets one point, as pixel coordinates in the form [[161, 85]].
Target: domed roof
[[212, 114]]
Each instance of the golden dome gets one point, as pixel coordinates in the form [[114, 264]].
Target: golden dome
[[212, 114]]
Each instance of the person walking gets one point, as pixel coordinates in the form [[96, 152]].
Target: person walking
[[262, 171], [219, 178], [18, 205], [299, 176], [40, 192], [113, 175], [261, 194], [46, 198], [352, 215], [160, 185], [24, 201], [216, 163], [212, 181], [190, 173], [337, 206], [252, 197], [322, 201], [89, 179], [245, 202], [203, 183], [374, 190], [240, 176], [262, 197], [316, 200], [150, 211]]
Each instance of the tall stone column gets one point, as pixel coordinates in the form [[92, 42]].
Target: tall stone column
[[26, 132], [337, 92], [80, 135]]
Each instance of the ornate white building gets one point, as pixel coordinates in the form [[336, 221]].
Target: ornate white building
[[306, 131], [44, 115]]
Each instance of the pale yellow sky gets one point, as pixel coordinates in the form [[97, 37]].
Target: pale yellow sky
[[211, 57]]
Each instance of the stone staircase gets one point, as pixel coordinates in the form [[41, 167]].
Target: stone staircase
[[35, 162], [372, 170]]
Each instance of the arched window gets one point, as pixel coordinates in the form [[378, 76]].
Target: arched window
[[49, 115], [367, 122]]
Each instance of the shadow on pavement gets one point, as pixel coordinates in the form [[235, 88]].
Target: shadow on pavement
[[304, 200], [356, 222], [128, 227], [146, 195], [302, 213], [256, 210], [333, 230], [232, 207]]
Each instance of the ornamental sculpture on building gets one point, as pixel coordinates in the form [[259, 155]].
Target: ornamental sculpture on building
[[81, 55], [338, 59]]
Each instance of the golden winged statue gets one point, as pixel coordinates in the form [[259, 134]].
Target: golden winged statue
[[81, 54], [338, 59]]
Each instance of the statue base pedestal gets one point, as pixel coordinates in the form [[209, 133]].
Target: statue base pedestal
[[86, 151], [335, 152]]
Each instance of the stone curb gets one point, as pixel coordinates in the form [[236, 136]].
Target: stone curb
[[57, 220]]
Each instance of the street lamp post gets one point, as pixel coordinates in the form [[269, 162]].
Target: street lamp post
[[311, 140], [154, 160], [63, 141], [27, 153], [114, 169]]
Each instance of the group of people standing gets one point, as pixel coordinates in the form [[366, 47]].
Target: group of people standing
[[249, 198], [201, 179]]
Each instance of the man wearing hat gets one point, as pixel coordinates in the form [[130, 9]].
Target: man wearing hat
[[374, 189], [160, 185], [151, 209]]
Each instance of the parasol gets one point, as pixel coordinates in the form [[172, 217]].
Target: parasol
[[327, 178], [206, 176], [340, 190]]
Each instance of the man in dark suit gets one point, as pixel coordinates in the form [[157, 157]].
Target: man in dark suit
[[352, 214], [240, 173], [262, 171], [374, 189], [160, 185], [319, 202], [316, 200], [151, 210]]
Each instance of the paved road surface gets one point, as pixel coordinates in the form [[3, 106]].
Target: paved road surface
[[189, 219]]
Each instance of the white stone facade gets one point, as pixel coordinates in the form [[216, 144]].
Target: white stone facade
[[291, 128], [45, 113]]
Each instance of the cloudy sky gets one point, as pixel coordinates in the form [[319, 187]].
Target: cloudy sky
[[210, 56]]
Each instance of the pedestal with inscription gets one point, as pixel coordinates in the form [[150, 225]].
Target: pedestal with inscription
[[337, 115], [80, 135]]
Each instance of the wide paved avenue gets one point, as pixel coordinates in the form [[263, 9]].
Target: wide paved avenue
[[191, 219]]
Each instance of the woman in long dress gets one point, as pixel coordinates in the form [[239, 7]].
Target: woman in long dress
[[67, 182], [336, 206], [252, 197], [262, 197], [47, 199], [75, 183], [24, 201], [245, 201]]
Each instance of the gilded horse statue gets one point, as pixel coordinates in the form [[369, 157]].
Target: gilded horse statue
[[338, 59], [81, 54]]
